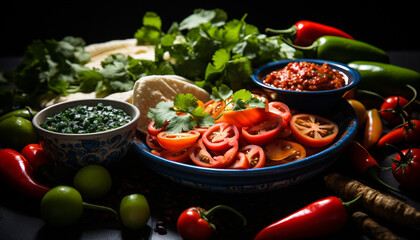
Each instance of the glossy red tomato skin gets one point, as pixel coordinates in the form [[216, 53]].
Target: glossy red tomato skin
[[191, 226], [254, 154], [408, 174], [153, 130], [280, 109], [177, 141], [312, 121], [173, 155], [240, 161], [263, 132], [202, 157], [218, 136], [396, 103]]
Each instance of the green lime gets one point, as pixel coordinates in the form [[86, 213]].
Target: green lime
[[16, 133], [92, 181], [25, 113]]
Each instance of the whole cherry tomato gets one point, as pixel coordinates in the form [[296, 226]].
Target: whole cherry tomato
[[195, 223], [406, 168], [392, 109]]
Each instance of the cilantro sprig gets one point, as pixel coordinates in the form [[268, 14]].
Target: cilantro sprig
[[184, 112], [181, 114]]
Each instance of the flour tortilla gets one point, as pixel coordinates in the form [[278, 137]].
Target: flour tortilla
[[99, 51], [150, 90]]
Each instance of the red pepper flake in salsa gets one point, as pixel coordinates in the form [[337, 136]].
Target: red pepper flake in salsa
[[304, 76]]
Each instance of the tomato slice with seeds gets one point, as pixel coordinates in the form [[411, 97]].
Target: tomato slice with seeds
[[284, 150], [264, 131], [254, 154], [218, 136], [173, 155], [177, 141], [313, 130], [152, 142], [280, 109], [153, 130], [240, 161], [202, 157]]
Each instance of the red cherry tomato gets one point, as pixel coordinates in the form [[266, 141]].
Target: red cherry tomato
[[240, 161], [173, 155], [392, 109], [263, 132], [177, 141], [202, 157], [254, 155], [280, 109], [312, 130], [406, 168], [192, 226], [153, 130], [218, 136], [285, 151]]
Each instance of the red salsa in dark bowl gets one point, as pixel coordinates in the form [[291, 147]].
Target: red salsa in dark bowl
[[311, 85], [306, 76]]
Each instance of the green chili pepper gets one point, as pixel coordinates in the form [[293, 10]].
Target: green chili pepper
[[386, 79], [24, 112], [342, 49]]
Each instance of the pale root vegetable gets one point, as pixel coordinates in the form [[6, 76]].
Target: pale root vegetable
[[372, 228], [379, 204]]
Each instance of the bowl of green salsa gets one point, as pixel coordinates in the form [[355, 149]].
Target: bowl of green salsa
[[91, 131]]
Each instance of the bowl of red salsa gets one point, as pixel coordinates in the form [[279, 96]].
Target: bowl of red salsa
[[311, 85]]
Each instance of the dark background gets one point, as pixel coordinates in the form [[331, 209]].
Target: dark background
[[390, 25]]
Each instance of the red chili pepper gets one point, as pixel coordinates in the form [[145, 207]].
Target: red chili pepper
[[304, 33], [317, 219], [36, 156], [195, 223], [365, 164], [409, 133], [16, 171]]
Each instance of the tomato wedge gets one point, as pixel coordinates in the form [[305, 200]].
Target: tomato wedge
[[218, 136], [312, 130], [240, 161], [177, 141], [280, 109], [263, 132], [200, 156], [284, 150], [254, 154], [173, 155]]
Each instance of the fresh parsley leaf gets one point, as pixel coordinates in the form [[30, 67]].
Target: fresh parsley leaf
[[164, 112], [185, 102]]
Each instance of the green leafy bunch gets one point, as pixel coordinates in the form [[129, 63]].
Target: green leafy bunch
[[209, 49]]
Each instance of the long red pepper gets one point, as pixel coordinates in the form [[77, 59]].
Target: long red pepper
[[318, 219], [16, 171], [304, 33]]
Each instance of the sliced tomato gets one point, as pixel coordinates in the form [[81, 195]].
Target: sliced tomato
[[202, 157], [173, 155], [153, 130], [240, 161], [263, 132], [280, 109], [254, 154], [312, 130], [218, 136], [177, 141], [214, 108], [152, 142], [284, 150], [201, 130]]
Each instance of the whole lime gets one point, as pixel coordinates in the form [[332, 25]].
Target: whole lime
[[92, 181], [61, 206], [16, 133]]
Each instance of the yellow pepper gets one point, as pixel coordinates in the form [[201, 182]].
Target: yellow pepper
[[373, 128]]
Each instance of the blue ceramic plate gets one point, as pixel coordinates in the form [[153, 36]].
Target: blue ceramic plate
[[256, 180], [319, 101]]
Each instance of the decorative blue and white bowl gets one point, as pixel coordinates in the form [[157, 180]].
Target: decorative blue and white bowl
[[308, 101], [78, 150]]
